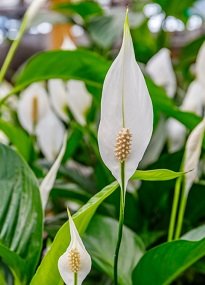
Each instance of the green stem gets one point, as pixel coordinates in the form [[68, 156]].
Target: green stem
[[121, 222], [12, 49], [174, 209], [75, 278], [182, 208]]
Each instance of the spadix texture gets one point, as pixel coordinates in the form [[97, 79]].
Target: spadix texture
[[75, 260], [125, 104]]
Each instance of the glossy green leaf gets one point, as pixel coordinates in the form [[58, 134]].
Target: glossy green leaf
[[47, 272], [18, 138], [156, 174], [20, 215], [100, 241], [166, 262]]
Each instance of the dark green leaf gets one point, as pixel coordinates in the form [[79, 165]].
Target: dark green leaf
[[165, 263], [20, 215]]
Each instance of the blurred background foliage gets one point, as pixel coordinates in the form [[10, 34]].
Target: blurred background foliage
[[96, 28]]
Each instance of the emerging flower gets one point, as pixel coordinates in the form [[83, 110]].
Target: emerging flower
[[75, 264], [192, 155], [126, 113], [160, 69], [49, 180], [200, 64], [50, 133], [33, 106]]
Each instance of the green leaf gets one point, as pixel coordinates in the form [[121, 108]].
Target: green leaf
[[85, 9], [166, 262], [18, 138], [83, 65], [47, 272], [156, 174], [20, 215], [100, 241]]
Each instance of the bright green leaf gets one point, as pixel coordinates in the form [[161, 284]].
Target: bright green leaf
[[156, 174]]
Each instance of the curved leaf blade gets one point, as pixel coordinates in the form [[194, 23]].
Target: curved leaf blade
[[156, 175]]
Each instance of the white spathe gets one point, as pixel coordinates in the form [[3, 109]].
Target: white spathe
[[32, 99], [48, 182], [79, 100], [58, 96], [50, 133], [160, 69], [125, 104], [192, 155], [64, 266], [200, 65]]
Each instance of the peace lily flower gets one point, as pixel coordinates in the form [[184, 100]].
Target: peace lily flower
[[33, 106], [50, 133], [192, 155], [126, 114], [75, 264], [49, 180], [160, 69]]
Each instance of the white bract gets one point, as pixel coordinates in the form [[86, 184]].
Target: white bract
[[126, 113], [49, 180], [79, 100], [58, 95], [33, 106], [200, 64], [160, 69], [50, 133], [192, 155], [75, 261]]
